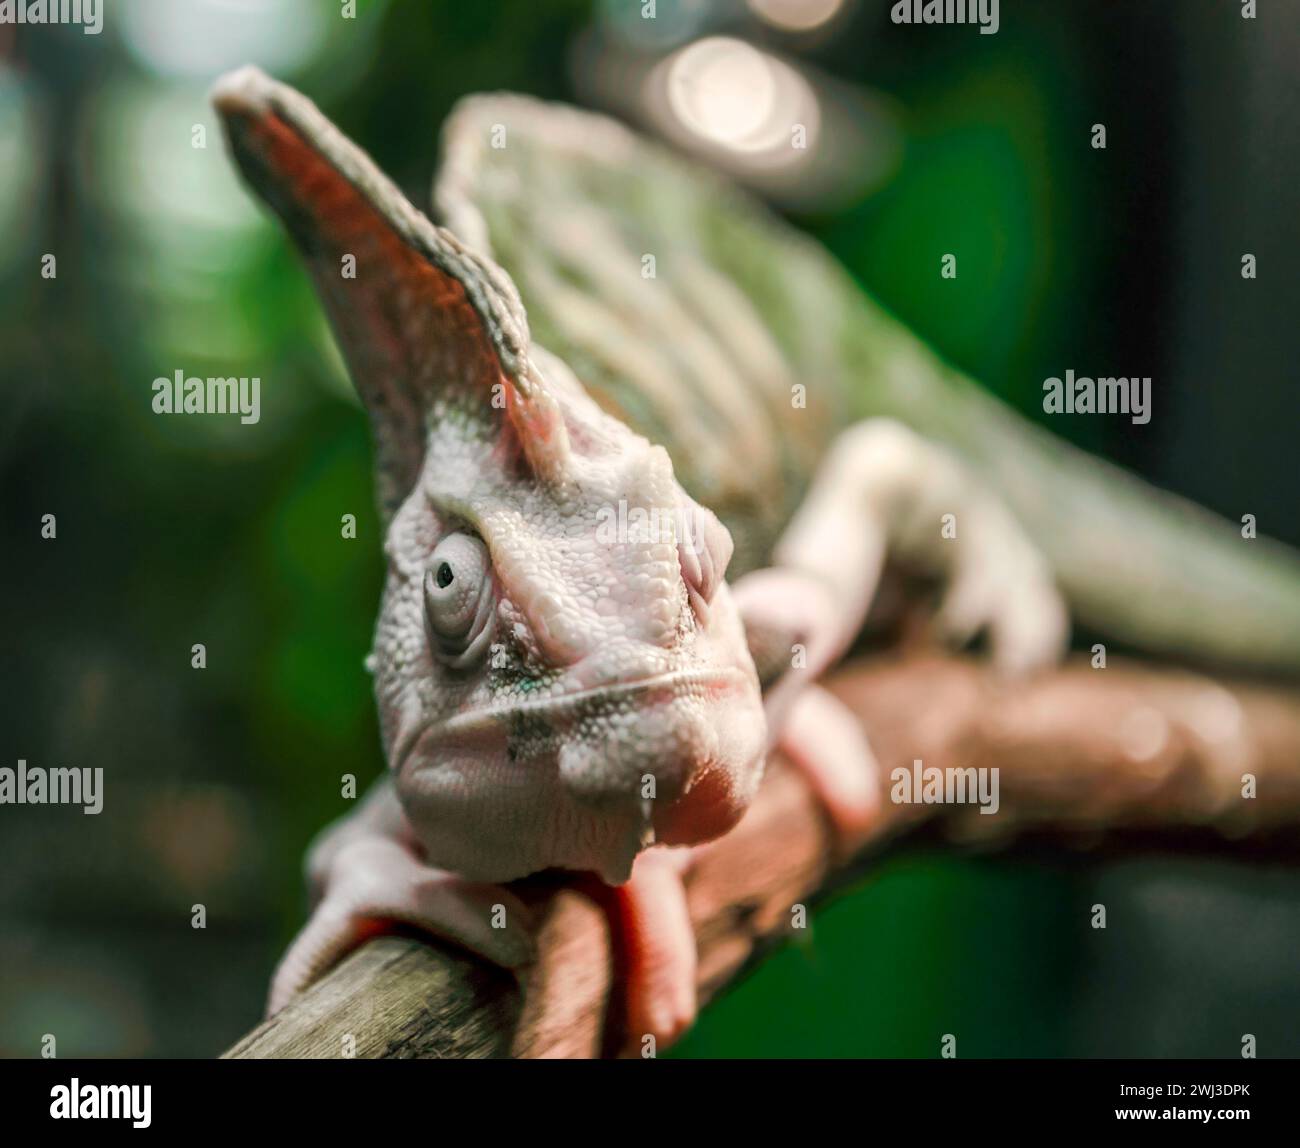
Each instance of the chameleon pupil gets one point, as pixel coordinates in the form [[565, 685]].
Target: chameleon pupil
[[444, 576]]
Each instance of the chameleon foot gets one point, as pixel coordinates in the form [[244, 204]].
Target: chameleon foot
[[1001, 585], [803, 630], [659, 942], [796, 630], [372, 882], [825, 741]]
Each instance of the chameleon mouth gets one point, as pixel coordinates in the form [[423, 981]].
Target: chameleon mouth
[[574, 704]]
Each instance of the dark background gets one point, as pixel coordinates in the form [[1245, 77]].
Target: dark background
[[177, 531]]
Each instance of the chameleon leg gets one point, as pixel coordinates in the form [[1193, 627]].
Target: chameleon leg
[[379, 814], [825, 741], [795, 629], [660, 948], [885, 490], [793, 618], [370, 879]]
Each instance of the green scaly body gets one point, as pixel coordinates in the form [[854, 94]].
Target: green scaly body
[[745, 348]]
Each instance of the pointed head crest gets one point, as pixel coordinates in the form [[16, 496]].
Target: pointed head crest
[[421, 319]]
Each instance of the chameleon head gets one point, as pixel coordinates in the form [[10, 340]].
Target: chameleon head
[[562, 676]]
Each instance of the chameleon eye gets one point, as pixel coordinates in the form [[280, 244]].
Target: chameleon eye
[[459, 600]]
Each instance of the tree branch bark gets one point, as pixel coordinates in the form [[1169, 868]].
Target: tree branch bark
[[1127, 757]]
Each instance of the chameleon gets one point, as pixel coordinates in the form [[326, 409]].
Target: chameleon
[[615, 502]]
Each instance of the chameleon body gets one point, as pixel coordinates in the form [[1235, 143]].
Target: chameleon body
[[705, 357], [679, 388]]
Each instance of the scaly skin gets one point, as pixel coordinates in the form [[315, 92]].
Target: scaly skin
[[556, 690], [562, 684], [706, 357]]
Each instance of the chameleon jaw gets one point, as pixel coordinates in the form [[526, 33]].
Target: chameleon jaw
[[567, 705], [587, 780]]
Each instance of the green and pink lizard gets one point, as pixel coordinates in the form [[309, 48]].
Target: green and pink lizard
[[631, 431]]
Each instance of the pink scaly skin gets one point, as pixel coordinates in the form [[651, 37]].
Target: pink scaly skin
[[561, 670], [555, 690]]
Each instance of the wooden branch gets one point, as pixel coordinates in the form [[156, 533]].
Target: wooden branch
[[1128, 755]]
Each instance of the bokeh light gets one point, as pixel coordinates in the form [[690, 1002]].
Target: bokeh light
[[734, 96], [796, 15]]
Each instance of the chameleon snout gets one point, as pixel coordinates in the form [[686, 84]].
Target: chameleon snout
[[679, 751]]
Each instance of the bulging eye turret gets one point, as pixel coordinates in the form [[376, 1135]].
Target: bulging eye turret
[[459, 600]]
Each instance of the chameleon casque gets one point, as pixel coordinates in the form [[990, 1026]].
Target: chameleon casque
[[551, 697]]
